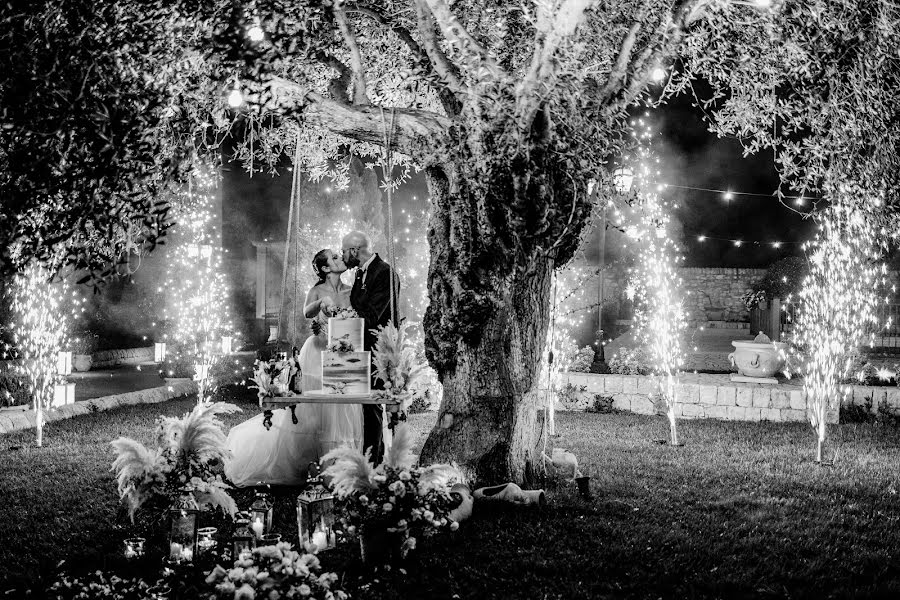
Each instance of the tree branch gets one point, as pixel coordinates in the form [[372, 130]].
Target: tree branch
[[356, 62], [439, 61], [416, 132], [542, 70], [440, 66], [620, 68], [457, 35], [338, 86]]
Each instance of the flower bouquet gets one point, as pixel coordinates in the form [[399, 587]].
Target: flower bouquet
[[392, 504], [191, 450], [275, 377], [274, 572], [395, 362]]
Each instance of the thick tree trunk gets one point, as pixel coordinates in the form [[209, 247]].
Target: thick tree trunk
[[491, 418]]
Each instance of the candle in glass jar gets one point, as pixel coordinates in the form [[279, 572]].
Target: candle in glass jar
[[320, 539]]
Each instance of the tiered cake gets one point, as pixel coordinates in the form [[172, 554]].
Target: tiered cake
[[346, 371]]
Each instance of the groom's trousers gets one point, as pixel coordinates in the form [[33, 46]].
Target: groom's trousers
[[373, 437]]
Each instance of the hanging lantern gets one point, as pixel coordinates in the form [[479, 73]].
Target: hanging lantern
[[159, 352], [242, 539], [183, 518], [63, 393], [261, 515], [315, 513], [226, 344], [622, 179], [63, 363]]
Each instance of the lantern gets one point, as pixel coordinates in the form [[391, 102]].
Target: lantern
[[226, 344], [183, 517], [206, 541], [159, 352], [63, 363], [315, 513], [201, 372], [261, 515], [622, 178], [134, 547], [242, 539], [63, 393]]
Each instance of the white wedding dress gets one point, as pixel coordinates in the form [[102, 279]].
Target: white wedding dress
[[281, 455]]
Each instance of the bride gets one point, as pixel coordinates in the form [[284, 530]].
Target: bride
[[303, 433]]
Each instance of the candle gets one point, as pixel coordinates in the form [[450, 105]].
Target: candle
[[175, 550], [320, 539], [187, 554], [257, 528], [129, 551]]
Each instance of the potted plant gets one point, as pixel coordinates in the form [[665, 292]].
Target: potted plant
[[83, 345], [392, 505]]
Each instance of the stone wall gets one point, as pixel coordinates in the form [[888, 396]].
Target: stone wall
[[717, 397]]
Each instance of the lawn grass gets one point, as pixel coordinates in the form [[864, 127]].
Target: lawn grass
[[740, 511]]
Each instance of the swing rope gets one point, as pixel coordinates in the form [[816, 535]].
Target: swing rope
[[295, 185], [387, 166]]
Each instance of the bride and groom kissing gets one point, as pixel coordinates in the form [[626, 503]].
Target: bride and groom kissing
[[306, 432]]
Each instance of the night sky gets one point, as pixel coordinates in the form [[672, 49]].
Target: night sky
[[256, 208]]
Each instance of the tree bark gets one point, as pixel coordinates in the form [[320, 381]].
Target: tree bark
[[491, 417]]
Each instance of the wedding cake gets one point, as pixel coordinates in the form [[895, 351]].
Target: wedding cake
[[346, 367]]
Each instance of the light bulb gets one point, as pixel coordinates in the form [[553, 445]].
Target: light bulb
[[701, 238], [235, 98], [255, 33], [729, 196]]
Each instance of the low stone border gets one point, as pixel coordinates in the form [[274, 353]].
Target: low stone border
[[125, 356], [717, 397], [15, 420]]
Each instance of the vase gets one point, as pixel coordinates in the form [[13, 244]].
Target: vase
[[379, 547], [82, 362], [758, 359]]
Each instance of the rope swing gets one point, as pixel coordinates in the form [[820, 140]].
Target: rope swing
[[387, 167]]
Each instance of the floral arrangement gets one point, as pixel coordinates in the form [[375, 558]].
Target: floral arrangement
[[396, 497], [273, 572], [344, 312], [396, 364], [98, 586], [190, 451], [276, 377], [752, 299], [627, 361]]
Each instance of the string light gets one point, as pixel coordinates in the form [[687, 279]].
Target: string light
[[728, 196], [235, 97], [255, 32], [658, 74]]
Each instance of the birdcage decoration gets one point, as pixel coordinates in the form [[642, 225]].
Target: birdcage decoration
[[261, 512], [183, 518], [315, 513]]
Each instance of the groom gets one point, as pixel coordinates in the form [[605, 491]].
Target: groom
[[371, 298]]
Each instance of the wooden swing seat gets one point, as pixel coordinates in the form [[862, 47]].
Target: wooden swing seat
[[319, 397]]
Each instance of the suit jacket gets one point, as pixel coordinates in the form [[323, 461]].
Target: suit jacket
[[372, 300]]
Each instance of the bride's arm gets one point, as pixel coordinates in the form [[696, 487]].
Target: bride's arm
[[313, 304]]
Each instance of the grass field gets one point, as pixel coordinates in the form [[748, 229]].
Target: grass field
[[740, 511]]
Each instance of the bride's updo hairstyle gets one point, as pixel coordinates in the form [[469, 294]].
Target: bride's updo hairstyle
[[320, 261]]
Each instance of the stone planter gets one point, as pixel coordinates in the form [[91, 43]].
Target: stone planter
[[82, 362], [757, 359]]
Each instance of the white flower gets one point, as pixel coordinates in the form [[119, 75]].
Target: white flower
[[245, 592], [274, 595], [398, 488], [388, 507], [428, 515], [304, 590], [363, 499], [226, 588], [405, 476], [454, 525]]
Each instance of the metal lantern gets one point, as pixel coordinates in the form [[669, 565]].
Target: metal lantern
[[183, 518], [622, 179], [242, 539], [63, 363], [315, 513], [159, 352], [261, 512]]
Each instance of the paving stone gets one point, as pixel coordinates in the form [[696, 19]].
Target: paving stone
[[793, 416], [647, 385], [622, 402], [726, 396], [642, 405], [736, 413], [781, 399], [716, 412], [613, 384], [707, 395], [770, 414], [798, 400], [693, 411], [762, 397], [629, 385], [688, 393]]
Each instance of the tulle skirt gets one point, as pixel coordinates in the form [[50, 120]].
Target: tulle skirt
[[281, 455]]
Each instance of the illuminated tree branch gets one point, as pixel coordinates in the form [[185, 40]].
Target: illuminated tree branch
[[356, 61]]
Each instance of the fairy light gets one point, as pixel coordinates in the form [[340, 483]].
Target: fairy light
[[235, 97], [195, 289], [44, 312], [837, 306], [656, 286], [658, 74]]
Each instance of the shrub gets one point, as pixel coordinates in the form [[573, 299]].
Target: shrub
[[582, 360], [784, 277], [629, 361], [84, 342], [602, 404], [14, 389], [569, 394]]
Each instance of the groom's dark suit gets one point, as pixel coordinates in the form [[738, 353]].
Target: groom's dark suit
[[371, 298]]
